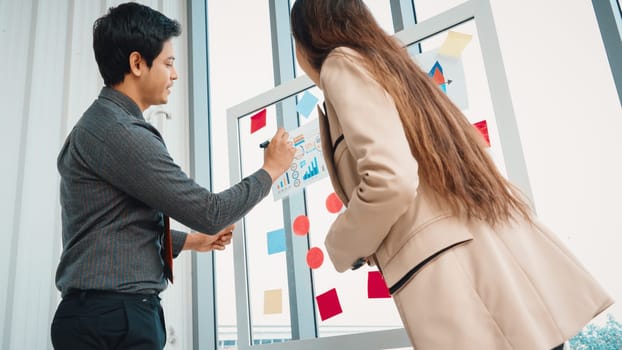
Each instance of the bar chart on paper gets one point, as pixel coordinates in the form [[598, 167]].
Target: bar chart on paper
[[312, 170], [308, 165]]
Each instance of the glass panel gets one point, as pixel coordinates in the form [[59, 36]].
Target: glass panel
[[381, 9], [425, 9], [267, 266], [240, 67], [265, 244], [359, 313], [382, 13], [267, 271], [471, 84]]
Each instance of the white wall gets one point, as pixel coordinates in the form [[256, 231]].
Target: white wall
[[49, 77], [570, 122]]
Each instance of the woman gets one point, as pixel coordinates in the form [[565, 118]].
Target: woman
[[467, 264]]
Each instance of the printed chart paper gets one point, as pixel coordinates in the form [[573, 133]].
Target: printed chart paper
[[308, 165], [448, 73]]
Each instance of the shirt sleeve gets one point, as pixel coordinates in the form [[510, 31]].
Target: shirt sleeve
[[375, 137], [135, 160], [179, 239]]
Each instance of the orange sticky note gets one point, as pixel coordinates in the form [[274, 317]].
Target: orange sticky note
[[301, 225], [376, 286], [328, 304], [258, 121], [273, 301], [315, 257]]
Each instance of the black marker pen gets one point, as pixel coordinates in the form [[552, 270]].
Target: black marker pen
[[264, 144]]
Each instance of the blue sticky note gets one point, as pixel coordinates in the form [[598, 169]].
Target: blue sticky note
[[276, 241], [306, 104]]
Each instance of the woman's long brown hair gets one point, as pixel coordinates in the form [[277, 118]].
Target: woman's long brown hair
[[450, 152]]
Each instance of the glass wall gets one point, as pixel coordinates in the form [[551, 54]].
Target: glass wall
[[266, 233], [342, 304], [465, 80], [426, 9], [240, 66]]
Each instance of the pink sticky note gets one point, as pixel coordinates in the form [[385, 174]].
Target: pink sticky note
[[333, 203], [315, 257], [328, 304], [376, 286], [301, 225], [258, 121], [482, 127]]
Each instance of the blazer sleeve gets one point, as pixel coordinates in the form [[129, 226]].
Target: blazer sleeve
[[375, 137], [135, 160]]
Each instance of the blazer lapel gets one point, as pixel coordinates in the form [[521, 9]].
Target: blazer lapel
[[328, 152]]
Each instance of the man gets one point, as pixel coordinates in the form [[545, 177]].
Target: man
[[119, 186]]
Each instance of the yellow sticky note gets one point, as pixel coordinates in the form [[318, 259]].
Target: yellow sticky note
[[273, 301], [454, 44]]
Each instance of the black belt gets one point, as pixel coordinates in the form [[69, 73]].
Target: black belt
[[84, 294]]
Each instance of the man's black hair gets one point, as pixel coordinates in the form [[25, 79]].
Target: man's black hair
[[127, 28]]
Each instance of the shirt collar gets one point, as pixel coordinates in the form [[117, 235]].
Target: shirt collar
[[122, 100]]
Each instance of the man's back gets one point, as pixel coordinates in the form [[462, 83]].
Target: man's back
[[111, 240]]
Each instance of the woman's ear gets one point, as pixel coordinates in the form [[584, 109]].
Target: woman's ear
[[136, 60]]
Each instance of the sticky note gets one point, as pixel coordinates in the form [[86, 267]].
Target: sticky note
[[454, 44], [376, 286], [258, 120], [273, 301], [333, 203], [301, 225], [306, 104], [315, 257], [482, 127], [328, 304], [276, 241]]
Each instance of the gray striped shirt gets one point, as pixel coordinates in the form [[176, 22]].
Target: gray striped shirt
[[117, 182]]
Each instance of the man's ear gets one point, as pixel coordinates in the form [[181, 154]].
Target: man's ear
[[136, 60]]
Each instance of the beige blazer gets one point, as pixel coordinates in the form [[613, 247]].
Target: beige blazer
[[394, 219]]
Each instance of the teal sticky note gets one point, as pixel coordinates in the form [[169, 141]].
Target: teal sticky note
[[306, 104], [276, 241]]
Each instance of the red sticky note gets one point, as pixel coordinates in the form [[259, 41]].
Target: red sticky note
[[376, 286], [258, 121], [333, 203], [482, 127], [328, 304], [301, 225], [315, 257]]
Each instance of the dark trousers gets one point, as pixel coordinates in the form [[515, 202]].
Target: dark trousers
[[105, 320]]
